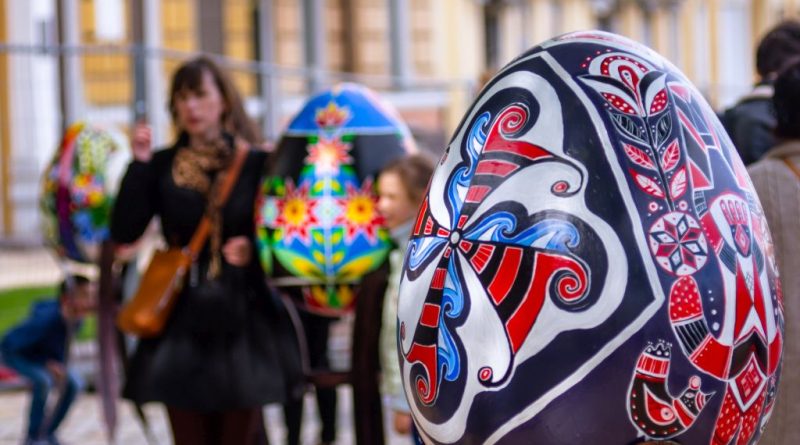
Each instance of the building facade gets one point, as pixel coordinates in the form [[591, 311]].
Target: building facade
[[65, 60]]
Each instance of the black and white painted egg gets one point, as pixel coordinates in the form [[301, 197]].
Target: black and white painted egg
[[591, 263]]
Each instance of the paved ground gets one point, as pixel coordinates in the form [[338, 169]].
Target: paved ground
[[20, 267], [23, 267], [84, 425]]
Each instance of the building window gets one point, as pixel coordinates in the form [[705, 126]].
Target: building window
[[491, 26], [109, 20]]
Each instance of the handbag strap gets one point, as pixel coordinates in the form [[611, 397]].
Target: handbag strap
[[204, 228], [792, 167]]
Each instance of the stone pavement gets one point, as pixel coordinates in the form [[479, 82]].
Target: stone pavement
[[84, 424], [27, 267], [22, 267]]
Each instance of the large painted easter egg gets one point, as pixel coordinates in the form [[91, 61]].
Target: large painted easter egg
[[591, 263], [319, 229], [78, 191]]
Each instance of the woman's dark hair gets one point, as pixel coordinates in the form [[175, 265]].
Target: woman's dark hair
[[189, 76], [414, 172], [786, 100], [71, 282], [780, 44]]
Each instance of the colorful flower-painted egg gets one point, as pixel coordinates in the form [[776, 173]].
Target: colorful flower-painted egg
[[78, 191], [591, 263], [319, 229]]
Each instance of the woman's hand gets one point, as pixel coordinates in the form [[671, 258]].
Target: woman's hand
[[142, 142], [402, 422], [268, 146], [238, 251]]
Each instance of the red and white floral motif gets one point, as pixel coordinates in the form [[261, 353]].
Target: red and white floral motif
[[678, 243], [359, 213], [327, 155], [296, 213]]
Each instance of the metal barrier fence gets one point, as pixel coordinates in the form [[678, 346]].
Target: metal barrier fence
[[108, 85], [266, 82]]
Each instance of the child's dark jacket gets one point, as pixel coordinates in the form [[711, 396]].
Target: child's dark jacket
[[41, 337]]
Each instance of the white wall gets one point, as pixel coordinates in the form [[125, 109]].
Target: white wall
[[702, 52], [33, 106], [735, 55]]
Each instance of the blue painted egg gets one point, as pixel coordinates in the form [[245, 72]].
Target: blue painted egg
[[319, 229], [591, 263]]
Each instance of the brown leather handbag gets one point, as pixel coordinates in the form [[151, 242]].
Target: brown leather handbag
[[146, 314]]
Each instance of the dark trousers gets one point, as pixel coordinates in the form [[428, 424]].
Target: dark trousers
[[235, 427], [39, 426], [317, 330]]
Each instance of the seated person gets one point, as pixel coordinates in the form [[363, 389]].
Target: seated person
[[36, 349]]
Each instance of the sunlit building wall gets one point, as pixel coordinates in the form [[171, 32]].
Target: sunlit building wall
[[427, 57]]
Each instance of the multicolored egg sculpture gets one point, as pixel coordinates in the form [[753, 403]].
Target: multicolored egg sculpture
[[591, 263], [319, 229], [78, 191]]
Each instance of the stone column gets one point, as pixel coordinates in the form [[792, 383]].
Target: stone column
[[314, 41], [70, 80], [399, 38]]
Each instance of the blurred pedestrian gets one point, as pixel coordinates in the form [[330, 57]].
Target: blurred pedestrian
[[401, 188], [751, 121], [228, 347], [37, 350], [776, 179]]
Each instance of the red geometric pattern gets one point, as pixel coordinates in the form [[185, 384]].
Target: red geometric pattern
[[327, 155], [359, 213], [653, 409], [749, 381], [713, 357], [332, 116], [673, 163], [296, 214], [684, 300], [501, 285], [678, 243], [734, 419]]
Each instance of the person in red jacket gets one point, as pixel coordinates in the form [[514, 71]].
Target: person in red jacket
[[37, 350]]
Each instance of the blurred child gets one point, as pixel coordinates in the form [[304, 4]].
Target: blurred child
[[401, 188], [37, 350]]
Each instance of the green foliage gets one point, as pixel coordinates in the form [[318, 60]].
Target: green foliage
[[88, 329], [15, 304]]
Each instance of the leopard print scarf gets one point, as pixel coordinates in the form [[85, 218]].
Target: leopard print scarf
[[193, 168]]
